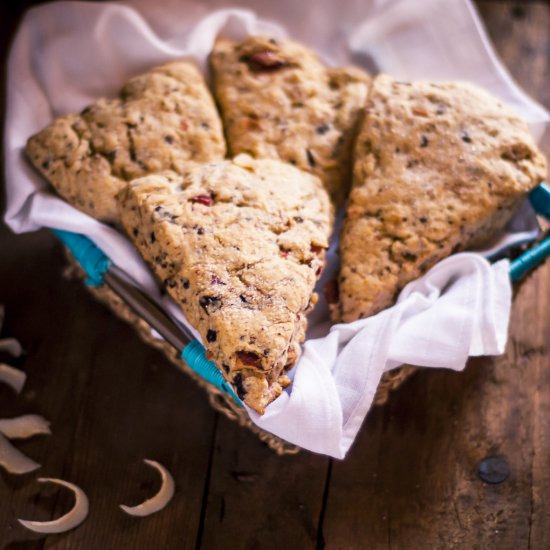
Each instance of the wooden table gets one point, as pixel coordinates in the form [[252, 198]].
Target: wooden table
[[410, 481]]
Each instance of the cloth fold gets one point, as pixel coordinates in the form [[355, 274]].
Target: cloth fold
[[460, 308], [67, 54]]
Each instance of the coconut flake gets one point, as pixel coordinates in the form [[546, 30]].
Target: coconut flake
[[11, 346], [13, 377], [13, 460], [25, 426], [160, 500], [73, 518]]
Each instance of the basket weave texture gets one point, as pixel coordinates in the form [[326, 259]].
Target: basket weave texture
[[220, 401]]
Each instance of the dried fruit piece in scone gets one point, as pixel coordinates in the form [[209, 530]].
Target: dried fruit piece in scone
[[239, 245], [161, 118], [439, 167], [279, 101]]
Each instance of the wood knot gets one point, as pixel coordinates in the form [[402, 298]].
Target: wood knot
[[493, 470]]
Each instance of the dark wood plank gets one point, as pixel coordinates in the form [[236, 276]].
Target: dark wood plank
[[521, 35], [112, 401], [412, 479], [257, 499]]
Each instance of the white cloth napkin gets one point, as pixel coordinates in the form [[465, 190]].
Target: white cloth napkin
[[67, 54], [460, 308]]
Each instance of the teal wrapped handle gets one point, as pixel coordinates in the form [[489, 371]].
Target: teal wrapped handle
[[96, 264], [540, 200], [195, 356], [90, 257], [529, 259]]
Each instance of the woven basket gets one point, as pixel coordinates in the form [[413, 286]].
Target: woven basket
[[220, 401]]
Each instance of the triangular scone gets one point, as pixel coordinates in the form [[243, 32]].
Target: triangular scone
[[438, 168], [239, 245], [161, 119], [279, 101]]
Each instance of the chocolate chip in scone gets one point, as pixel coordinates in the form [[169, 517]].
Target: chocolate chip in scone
[[465, 137], [209, 303], [323, 129], [225, 367], [424, 142], [239, 386], [169, 139], [153, 237], [299, 219], [409, 256], [110, 155], [211, 335], [46, 164], [185, 283]]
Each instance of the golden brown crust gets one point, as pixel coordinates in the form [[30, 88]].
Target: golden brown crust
[[438, 168], [279, 101], [239, 245], [161, 119]]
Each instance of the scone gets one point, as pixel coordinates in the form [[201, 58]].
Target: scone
[[279, 101], [239, 245], [438, 168], [161, 119]]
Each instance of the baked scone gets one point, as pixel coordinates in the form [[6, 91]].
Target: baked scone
[[239, 245], [438, 168], [161, 119], [279, 101]]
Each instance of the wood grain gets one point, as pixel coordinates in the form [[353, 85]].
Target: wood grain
[[259, 500], [112, 402], [411, 480]]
